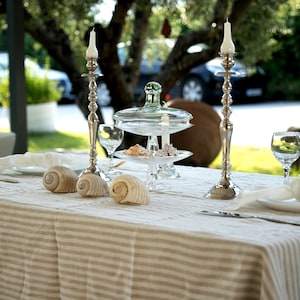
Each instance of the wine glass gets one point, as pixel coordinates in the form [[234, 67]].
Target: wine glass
[[110, 138], [286, 149]]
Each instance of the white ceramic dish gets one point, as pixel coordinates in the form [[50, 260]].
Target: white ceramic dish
[[39, 171], [291, 205]]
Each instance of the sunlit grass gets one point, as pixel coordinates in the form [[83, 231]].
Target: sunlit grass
[[252, 160], [58, 140]]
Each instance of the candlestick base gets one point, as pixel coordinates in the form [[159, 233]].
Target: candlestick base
[[223, 191], [95, 170]]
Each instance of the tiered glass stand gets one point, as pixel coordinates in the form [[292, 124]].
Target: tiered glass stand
[[149, 121]]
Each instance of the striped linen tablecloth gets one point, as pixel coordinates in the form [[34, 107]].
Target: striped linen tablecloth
[[62, 246]]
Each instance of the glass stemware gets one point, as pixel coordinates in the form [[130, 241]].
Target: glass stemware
[[152, 147], [110, 138], [168, 171], [286, 149]]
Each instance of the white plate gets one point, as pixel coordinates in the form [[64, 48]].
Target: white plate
[[39, 171], [291, 205]]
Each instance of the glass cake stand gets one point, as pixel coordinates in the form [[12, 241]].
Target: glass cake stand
[[153, 120]]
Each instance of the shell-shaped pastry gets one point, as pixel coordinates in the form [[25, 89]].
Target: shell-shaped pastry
[[128, 189], [59, 179], [92, 185]]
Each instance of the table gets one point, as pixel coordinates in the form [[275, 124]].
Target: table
[[62, 246]]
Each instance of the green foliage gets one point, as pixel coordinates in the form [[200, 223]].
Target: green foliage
[[38, 89], [267, 26], [283, 68], [36, 50], [4, 91], [73, 17], [253, 37]]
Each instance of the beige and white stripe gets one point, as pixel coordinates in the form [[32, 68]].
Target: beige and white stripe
[[100, 250]]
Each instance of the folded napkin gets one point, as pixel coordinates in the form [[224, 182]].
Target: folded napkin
[[279, 192], [127, 189], [43, 160]]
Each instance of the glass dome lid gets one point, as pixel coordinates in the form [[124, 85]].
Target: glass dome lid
[[152, 118]]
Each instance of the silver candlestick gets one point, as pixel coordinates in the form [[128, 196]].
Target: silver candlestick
[[93, 119], [225, 189]]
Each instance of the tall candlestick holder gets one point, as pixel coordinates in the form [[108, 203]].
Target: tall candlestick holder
[[225, 189], [93, 122]]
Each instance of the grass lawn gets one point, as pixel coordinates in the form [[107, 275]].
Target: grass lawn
[[244, 159], [251, 159], [60, 141]]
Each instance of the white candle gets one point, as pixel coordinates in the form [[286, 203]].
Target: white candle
[[165, 139], [92, 51], [227, 45]]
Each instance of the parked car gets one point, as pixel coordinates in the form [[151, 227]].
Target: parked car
[[55, 75], [202, 83]]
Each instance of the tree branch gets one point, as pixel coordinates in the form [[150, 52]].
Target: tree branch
[[58, 45], [141, 25], [179, 61], [239, 10], [107, 41]]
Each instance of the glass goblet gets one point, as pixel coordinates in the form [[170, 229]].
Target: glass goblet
[[286, 149], [110, 138]]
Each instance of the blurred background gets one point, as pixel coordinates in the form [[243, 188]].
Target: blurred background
[[175, 42]]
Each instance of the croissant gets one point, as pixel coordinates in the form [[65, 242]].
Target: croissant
[[92, 185], [126, 189], [59, 179]]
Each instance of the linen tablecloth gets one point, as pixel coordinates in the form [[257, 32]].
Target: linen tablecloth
[[62, 246]]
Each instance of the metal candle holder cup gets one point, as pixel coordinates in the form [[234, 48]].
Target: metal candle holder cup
[[225, 189]]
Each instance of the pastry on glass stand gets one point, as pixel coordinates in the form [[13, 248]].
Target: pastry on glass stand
[[137, 150]]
